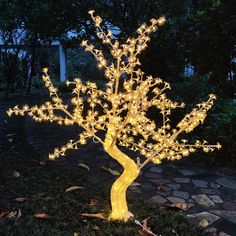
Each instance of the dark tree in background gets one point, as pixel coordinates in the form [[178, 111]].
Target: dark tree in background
[[197, 32]]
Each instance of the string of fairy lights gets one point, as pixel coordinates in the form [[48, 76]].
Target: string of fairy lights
[[157, 143], [117, 115]]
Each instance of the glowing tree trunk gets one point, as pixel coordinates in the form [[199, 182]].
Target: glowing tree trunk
[[131, 171]]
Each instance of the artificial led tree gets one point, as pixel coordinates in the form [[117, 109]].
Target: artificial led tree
[[117, 116]]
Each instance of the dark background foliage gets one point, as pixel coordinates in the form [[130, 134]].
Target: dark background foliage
[[200, 33]]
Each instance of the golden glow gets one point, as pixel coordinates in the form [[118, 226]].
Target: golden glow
[[131, 172], [118, 113]]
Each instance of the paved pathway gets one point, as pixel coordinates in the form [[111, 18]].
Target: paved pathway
[[207, 195]]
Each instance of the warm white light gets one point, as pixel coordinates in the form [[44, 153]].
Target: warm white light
[[119, 112]]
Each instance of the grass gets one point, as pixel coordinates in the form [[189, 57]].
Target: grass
[[64, 209], [23, 173]]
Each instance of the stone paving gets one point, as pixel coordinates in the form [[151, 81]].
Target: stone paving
[[206, 195]]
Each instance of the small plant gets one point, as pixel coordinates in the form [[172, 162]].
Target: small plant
[[118, 115]]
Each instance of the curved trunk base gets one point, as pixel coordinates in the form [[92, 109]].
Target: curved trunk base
[[120, 186]]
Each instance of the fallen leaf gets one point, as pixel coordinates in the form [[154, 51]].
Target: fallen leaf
[[181, 205], [99, 216], [19, 214], [10, 140], [49, 198], [73, 188], [111, 171], [114, 172], [145, 221], [11, 214], [41, 194], [16, 174], [130, 215], [95, 227], [93, 202], [177, 206], [41, 216], [145, 231], [20, 199], [43, 163], [4, 213], [9, 135], [14, 214], [173, 231], [84, 166], [134, 184]]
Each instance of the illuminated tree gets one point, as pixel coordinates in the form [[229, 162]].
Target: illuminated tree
[[118, 115]]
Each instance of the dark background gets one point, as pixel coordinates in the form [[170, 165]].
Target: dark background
[[197, 33]]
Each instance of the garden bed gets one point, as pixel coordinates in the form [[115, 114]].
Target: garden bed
[[34, 201]]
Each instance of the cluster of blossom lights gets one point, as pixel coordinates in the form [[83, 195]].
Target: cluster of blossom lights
[[118, 114]]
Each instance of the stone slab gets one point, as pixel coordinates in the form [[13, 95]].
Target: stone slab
[[214, 185], [147, 187], [156, 169], [229, 215], [152, 175], [182, 180], [223, 234], [187, 172], [175, 199], [159, 200], [165, 191], [209, 191], [200, 183], [181, 194], [230, 206], [227, 183], [203, 200], [204, 218], [174, 186], [216, 198]]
